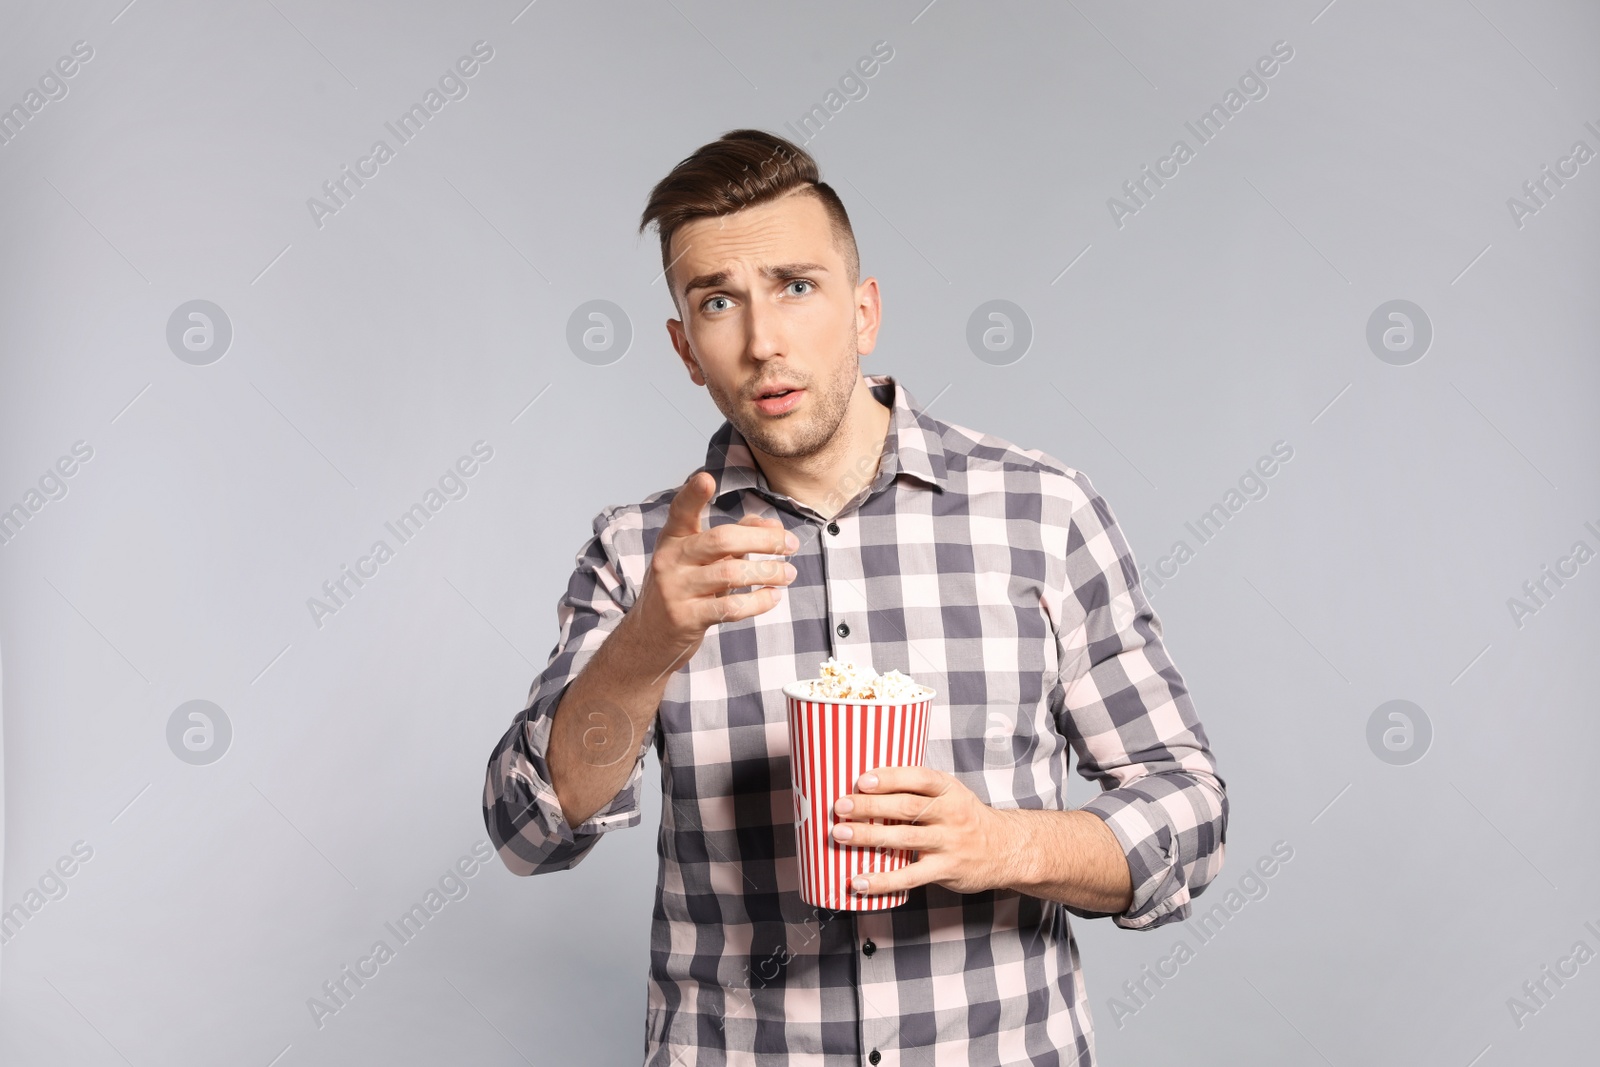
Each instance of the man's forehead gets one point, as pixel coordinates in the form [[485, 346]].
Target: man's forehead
[[757, 238]]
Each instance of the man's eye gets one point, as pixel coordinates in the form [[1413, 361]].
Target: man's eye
[[715, 300], [802, 281]]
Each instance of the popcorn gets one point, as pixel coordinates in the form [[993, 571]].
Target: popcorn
[[844, 680]]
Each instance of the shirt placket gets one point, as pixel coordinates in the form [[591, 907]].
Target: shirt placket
[[847, 602], [851, 639], [877, 999]]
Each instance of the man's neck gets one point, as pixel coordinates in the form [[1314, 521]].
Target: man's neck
[[829, 479]]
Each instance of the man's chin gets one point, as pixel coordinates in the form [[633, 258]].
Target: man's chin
[[787, 442]]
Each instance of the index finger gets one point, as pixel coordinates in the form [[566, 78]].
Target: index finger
[[683, 516], [738, 539], [925, 781]]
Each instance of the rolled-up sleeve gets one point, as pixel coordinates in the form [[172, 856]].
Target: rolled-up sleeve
[[520, 807], [1125, 710]]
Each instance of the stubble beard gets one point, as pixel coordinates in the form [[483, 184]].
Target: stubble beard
[[787, 438]]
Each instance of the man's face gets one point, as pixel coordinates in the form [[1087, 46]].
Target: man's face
[[767, 305]]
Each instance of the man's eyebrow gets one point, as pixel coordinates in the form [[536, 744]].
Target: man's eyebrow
[[777, 272]]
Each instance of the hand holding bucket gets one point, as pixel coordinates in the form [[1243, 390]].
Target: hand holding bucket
[[832, 742]]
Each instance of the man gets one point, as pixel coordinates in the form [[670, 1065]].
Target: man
[[833, 517]]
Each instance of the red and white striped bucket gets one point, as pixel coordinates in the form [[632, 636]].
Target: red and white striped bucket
[[831, 744]]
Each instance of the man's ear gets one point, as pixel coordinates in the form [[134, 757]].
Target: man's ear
[[869, 315], [680, 344]]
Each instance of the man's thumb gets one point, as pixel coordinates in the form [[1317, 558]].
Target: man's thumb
[[683, 517]]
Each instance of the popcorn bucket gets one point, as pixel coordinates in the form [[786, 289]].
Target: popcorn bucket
[[832, 742]]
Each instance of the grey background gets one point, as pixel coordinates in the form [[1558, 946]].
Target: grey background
[[1228, 314]]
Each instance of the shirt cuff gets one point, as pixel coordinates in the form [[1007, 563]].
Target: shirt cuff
[[1160, 894], [620, 811]]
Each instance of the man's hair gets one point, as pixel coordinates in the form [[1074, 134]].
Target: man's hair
[[738, 170]]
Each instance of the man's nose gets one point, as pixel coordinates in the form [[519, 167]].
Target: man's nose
[[765, 339]]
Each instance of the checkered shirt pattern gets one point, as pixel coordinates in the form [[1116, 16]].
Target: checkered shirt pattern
[[996, 575]]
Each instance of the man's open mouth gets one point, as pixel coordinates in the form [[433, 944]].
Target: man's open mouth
[[779, 399]]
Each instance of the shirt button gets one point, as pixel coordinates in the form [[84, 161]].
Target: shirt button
[[843, 629], [833, 528], [873, 1057], [869, 948]]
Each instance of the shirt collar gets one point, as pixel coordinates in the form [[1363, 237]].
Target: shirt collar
[[913, 447]]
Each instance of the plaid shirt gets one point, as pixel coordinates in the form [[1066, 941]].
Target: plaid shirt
[[993, 573]]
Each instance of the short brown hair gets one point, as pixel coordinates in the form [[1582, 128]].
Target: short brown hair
[[740, 169]]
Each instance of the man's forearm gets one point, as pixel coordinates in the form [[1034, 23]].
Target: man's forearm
[[691, 585], [601, 718], [1071, 857]]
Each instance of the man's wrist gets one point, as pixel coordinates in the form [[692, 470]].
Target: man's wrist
[[1020, 870], [1067, 856], [642, 646]]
